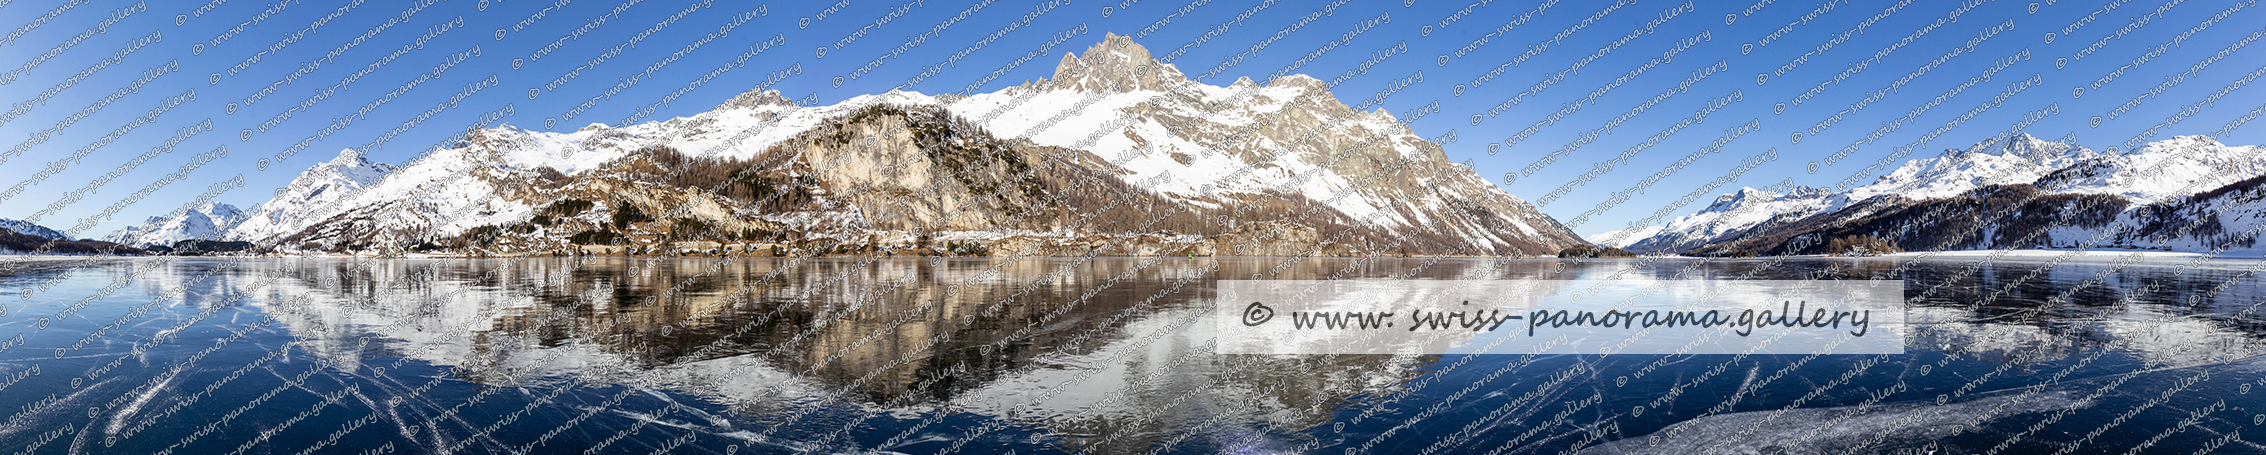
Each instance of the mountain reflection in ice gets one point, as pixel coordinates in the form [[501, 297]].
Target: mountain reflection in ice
[[1108, 355]]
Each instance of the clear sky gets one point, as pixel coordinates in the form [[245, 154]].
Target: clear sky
[[334, 75]]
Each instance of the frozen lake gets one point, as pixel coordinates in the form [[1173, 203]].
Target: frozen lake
[[2033, 354]]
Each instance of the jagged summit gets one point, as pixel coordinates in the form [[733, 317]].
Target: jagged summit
[[352, 165], [1116, 65], [210, 221], [1745, 196], [313, 191], [757, 98], [1748, 196], [1807, 192], [1300, 81], [2030, 147]]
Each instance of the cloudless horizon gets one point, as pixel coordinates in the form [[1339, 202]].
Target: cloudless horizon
[[395, 79]]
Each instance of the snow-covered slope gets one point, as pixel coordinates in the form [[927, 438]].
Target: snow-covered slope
[[1207, 145], [2021, 159], [1730, 215], [2160, 171], [2019, 192], [1245, 152], [27, 228], [2156, 172], [2226, 220], [320, 190], [208, 222]]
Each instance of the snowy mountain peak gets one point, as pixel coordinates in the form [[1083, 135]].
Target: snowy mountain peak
[[350, 165], [1807, 192], [757, 98], [220, 210], [314, 189], [1745, 193], [1732, 214], [2006, 160], [347, 157], [1116, 65], [1996, 161], [2160, 170], [2035, 149], [2191, 140], [27, 228], [1300, 81], [1749, 196], [2094, 188], [206, 222]]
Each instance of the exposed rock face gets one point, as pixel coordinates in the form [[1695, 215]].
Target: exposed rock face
[[1117, 155], [917, 168], [1116, 65]]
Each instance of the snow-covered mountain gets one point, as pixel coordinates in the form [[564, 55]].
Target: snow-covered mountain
[[1116, 149], [208, 222], [2017, 192], [319, 189], [1730, 215], [2020, 159], [2161, 171], [27, 228], [23, 237]]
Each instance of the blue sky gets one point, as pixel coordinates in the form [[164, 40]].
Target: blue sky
[[303, 72]]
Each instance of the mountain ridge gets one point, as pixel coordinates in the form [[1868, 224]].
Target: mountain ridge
[[1143, 161], [32, 229], [210, 221], [24, 237], [2017, 192]]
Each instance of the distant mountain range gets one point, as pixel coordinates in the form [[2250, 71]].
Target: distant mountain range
[[18, 237], [207, 222], [2187, 193], [1117, 154], [27, 228]]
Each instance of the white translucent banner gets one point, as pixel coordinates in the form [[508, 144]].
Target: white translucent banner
[[1560, 317]]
